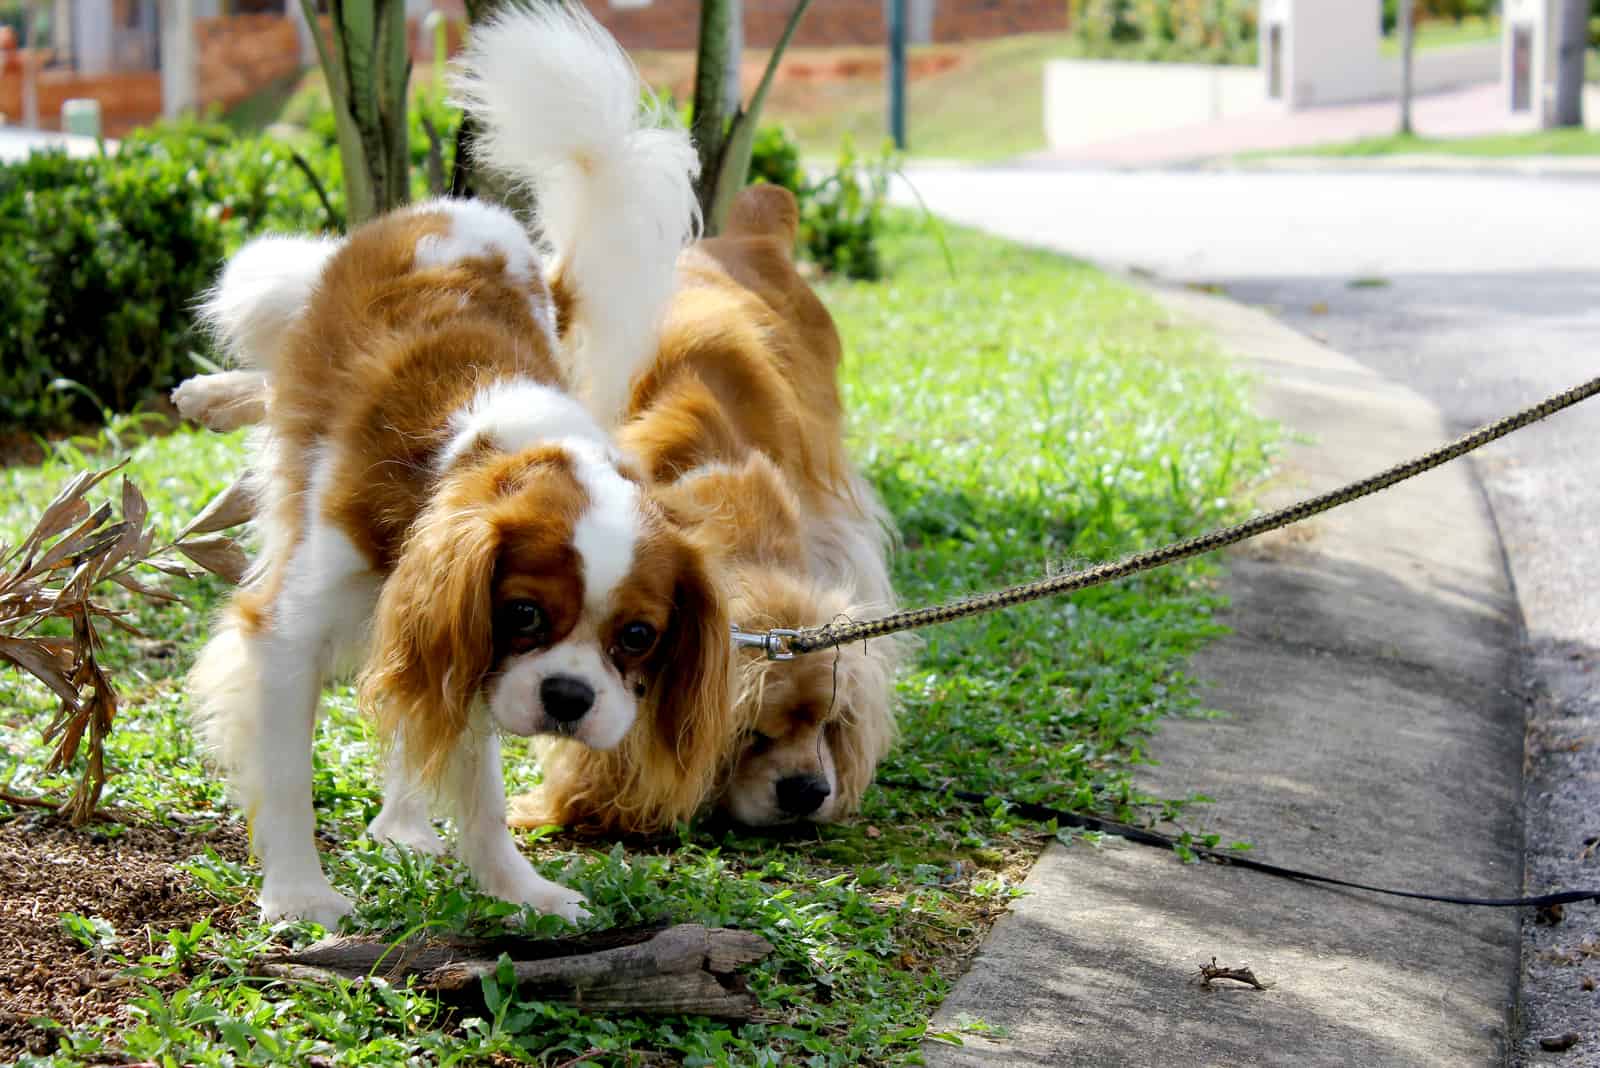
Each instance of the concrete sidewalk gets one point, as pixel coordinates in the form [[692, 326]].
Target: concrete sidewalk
[[1370, 733], [1464, 112]]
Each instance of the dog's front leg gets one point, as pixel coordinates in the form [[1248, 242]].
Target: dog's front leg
[[477, 794]]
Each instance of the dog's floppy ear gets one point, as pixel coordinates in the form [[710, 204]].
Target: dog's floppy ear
[[693, 701], [433, 636]]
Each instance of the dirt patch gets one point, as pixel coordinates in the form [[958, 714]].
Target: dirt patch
[[801, 68], [124, 875]]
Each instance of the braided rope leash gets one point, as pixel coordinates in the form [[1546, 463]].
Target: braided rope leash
[[783, 644]]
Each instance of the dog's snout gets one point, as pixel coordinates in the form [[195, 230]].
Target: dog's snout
[[566, 698], [801, 795]]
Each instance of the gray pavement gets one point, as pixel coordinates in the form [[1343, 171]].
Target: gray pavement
[[1461, 112], [1479, 345], [1481, 293]]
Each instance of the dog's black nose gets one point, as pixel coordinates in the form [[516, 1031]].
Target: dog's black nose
[[566, 698], [801, 795]]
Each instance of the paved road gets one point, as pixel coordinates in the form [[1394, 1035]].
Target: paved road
[[1481, 292]]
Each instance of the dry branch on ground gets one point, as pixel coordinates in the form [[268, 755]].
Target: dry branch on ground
[[56, 573], [683, 969]]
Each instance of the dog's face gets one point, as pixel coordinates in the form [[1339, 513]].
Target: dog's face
[[786, 769], [814, 727], [547, 585]]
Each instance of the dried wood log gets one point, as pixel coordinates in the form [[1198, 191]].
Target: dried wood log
[[684, 969]]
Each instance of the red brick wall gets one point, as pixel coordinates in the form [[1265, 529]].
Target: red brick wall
[[968, 20], [125, 99], [675, 24], [241, 54]]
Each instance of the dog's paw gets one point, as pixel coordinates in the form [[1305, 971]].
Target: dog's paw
[[415, 834], [314, 904], [566, 903], [222, 401], [515, 880]]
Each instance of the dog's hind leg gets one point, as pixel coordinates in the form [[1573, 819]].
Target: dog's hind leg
[[403, 819]]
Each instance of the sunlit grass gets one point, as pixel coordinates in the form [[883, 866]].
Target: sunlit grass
[[1027, 414]]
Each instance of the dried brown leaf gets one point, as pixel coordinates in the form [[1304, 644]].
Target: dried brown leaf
[[218, 554], [50, 660], [133, 585], [167, 567], [230, 508], [134, 512], [68, 508], [81, 542]]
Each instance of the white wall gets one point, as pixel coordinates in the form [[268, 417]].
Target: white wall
[[1087, 100], [1436, 69]]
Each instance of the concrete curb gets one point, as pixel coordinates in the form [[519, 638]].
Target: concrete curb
[[1370, 733]]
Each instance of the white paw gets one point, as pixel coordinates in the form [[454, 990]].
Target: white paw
[[515, 880], [223, 401], [315, 904], [415, 835]]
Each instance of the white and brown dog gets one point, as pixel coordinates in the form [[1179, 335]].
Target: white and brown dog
[[438, 496], [738, 422]]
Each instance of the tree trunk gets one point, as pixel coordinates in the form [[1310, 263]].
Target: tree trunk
[[1573, 47], [1407, 42], [712, 111], [368, 72]]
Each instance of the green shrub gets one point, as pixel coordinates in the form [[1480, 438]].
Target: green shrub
[[841, 214], [1188, 31], [775, 159], [104, 258]]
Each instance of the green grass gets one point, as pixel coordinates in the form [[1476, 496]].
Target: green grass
[[1445, 33], [1030, 414], [1569, 141], [991, 107]]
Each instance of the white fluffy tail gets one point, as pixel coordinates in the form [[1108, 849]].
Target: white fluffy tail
[[263, 290], [223, 687], [560, 111]]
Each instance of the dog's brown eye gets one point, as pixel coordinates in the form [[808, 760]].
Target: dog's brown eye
[[759, 743], [636, 638], [523, 623]]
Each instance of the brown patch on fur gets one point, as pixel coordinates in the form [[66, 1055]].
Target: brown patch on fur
[[745, 338]]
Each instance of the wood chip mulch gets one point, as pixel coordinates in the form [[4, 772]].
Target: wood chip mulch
[[129, 879]]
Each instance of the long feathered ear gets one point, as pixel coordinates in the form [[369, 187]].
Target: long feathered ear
[[433, 639], [864, 732], [693, 697]]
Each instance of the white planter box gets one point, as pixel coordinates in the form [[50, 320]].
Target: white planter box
[[1090, 100]]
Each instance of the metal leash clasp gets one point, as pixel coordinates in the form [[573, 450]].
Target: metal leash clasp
[[774, 642]]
